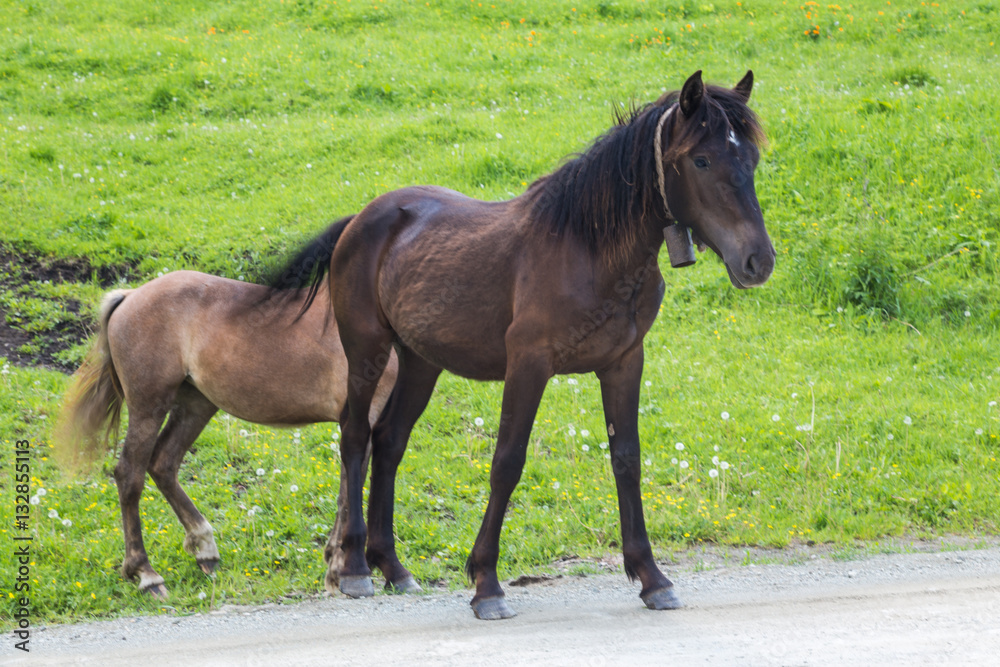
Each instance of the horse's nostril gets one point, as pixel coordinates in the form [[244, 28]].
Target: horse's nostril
[[758, 266]]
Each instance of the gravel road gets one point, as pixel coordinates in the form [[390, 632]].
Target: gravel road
[[927, 606]]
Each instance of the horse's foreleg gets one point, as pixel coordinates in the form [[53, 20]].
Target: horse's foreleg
[[187, 420], [620, 393], [523, 389], [367, 355], [409, 398], [130, 477]]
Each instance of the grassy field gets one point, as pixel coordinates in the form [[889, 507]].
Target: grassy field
[[854, 397]]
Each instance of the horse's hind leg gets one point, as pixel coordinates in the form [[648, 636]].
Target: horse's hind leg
[[130, 477], [367, 350], [407, 402], [333, 555], [188, 418]]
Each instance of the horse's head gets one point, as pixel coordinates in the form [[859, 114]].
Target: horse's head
[[710, 153]]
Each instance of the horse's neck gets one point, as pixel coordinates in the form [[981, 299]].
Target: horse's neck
[[646, 247]]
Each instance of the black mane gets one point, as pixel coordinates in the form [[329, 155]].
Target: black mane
[[606, 194], [306, 270]]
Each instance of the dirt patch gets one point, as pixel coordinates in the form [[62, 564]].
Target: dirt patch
[[43, 348], [10, 340], [39, 330], [19, 267]]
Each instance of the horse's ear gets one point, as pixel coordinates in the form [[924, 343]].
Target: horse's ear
[[691, 94], [744, 87]]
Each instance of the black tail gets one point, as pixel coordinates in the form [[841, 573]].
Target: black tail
[[308, 268]]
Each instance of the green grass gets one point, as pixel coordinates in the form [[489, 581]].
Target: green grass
[[219, 136]]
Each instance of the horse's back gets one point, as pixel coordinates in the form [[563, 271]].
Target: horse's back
[[245, 352], [439, 268]]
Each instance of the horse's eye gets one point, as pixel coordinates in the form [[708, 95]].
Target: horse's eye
[[702, 162]]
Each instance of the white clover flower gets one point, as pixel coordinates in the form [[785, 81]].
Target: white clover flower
[[478, 421], [293, 488], [679, 446], [713, 473]]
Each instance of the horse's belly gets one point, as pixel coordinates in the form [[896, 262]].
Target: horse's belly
[[456, 325], [269, 384], [468, 351], [591, 345]]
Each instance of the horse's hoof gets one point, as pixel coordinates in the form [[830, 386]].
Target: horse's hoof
[[663, 598], [408, 585], [157, 591], [208, 565], [492, 609], [357, 586]]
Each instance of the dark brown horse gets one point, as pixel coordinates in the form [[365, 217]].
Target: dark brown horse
[[186, 345], [562, 279]]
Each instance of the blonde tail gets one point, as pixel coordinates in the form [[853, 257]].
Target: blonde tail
[[93, 401]]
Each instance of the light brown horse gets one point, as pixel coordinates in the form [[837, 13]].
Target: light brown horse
[[184, 346], [562, 279]]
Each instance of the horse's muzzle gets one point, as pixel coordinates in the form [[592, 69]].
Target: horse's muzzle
[[754, 270]]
